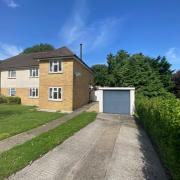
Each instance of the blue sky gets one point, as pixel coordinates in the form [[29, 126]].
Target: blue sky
[[148, 26]]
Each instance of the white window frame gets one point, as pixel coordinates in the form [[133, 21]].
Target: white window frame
[[10, 91], [54, 62], [34, 89], [34, 72], [10, 74], [51, 98]]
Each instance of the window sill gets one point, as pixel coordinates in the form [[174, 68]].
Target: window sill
[[11, 77], [33, 97], [55, 100], [60, 72], [33, 76]]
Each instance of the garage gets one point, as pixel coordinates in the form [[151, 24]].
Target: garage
[[118, 100]]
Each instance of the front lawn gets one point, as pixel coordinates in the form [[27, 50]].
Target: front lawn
[[15, 119], [21, 155]]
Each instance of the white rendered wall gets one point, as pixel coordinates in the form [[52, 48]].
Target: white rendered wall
[[95, 95], [22, 80], [132, 102]]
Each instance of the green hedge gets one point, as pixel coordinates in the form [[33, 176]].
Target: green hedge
[[10, 100], [161, 119]]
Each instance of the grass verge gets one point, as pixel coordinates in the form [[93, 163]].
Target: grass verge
[[21, 155], [15, 119]]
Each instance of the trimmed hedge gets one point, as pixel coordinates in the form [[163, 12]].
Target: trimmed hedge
[[161, 119], [10, 100]]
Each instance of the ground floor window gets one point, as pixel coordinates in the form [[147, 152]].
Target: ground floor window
[[55, 93], [33, 92], [12, 91]]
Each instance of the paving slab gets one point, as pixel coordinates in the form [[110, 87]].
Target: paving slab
[[113, 147], [25, 136]]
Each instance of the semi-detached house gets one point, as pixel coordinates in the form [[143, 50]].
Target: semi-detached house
[[55, 80]]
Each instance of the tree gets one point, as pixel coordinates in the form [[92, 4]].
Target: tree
[[100, 74], [38, 48], [151, 77], [176, 79], [164, 69]]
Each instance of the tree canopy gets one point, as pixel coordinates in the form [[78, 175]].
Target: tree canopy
[[39, 48], [150, 76], [176, 79]]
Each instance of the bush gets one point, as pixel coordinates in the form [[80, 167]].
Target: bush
[[3, 99], [10, 100], [13, 100], [161, 119]]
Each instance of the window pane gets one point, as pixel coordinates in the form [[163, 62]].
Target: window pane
[[55, 95], [12, 92], [36, 91], [51, 66], [13, 73], [37, 71], [30, 92], [50, 93], [55, 68], [59, 93], [60, 66], [30, 72]]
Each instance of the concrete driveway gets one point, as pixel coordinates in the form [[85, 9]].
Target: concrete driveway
[[112, 147]]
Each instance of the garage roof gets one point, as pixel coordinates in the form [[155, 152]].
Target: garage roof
[[116, 88]]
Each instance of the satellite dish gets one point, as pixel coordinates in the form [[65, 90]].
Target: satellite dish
[[78, 74]]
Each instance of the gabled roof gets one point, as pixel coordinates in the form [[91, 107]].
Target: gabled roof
[[32, 59]]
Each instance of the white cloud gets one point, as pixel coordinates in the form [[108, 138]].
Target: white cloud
[[94, 35], [8, 50], [173, 55], [11, 3]]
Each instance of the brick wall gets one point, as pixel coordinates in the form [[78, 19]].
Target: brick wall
[[23, 93], [81, 85], [64, 80]]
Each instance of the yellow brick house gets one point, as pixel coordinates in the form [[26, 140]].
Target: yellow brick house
[[53, 80]]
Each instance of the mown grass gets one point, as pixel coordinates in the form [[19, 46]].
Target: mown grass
[[21, 155], [15, 119]]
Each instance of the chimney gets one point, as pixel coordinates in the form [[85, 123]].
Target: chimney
[[81, 51]]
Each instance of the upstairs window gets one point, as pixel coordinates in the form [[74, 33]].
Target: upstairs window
[[12, 91], [34, 72], [33, 92], [12, 74], [55, 66], [55, 93]]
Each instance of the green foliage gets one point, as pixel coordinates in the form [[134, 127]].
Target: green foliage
[[38, 48], [161, 118], [13, 100], [21, 155], [3, 99], [151, 77], [100, 74], [10, 100], [176, 79]]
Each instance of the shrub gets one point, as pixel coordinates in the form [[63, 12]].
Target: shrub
[[3, 99], [13, 100], [161, 119]]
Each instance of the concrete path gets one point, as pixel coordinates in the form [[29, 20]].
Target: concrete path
[[25, 136], [111, 148]]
